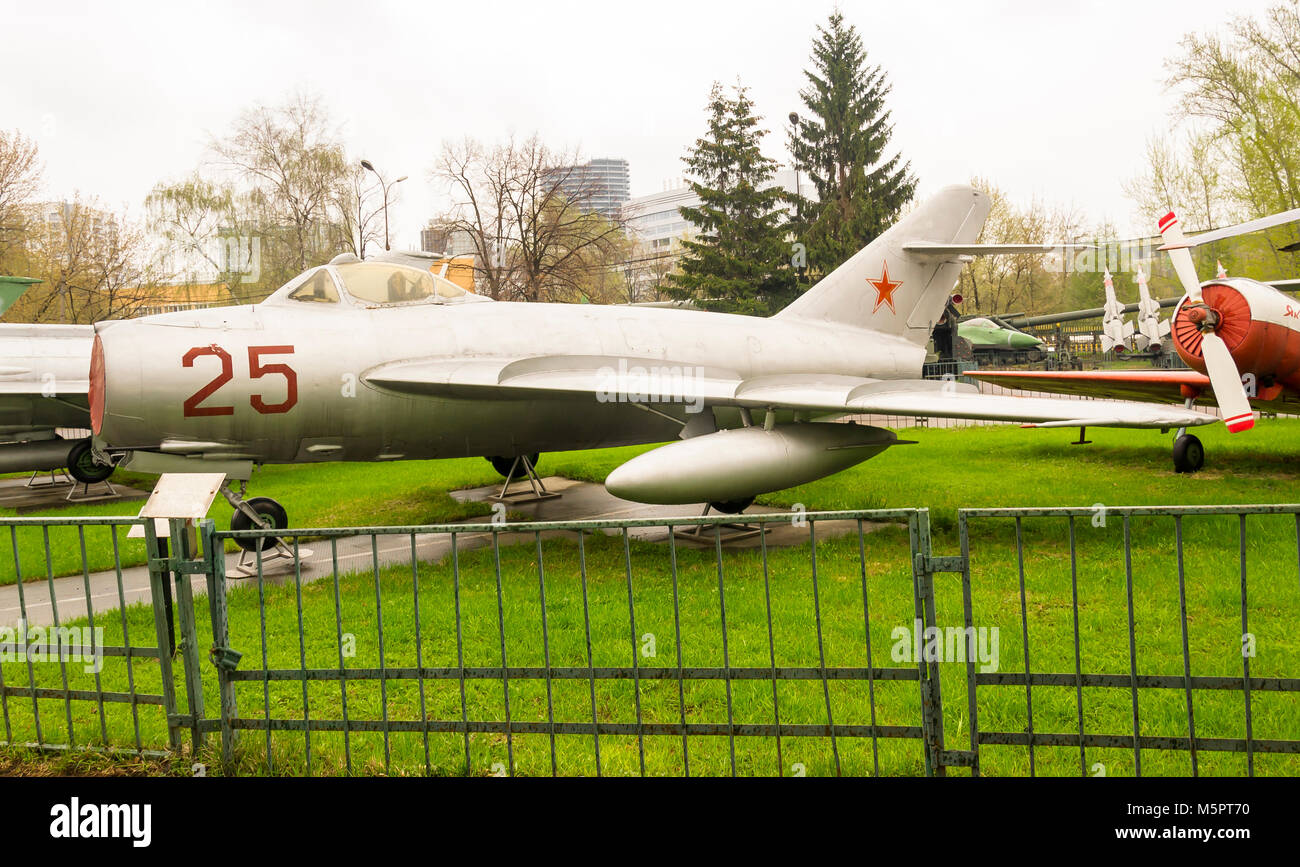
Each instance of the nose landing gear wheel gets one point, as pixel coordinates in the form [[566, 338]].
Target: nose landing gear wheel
[[1189, 454], [268, 510], [83, 467]]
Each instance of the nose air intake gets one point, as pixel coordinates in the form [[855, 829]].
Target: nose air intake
[[97, 388]]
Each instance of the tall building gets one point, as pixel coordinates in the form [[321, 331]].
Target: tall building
[[656, 221], [601, 186]]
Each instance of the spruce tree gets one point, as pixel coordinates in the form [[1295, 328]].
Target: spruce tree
[[840, 143], [740, 262]]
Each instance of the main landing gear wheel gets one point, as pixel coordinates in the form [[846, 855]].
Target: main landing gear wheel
[[732, 507], [504, 465], [83, 467], [268, 510], [1189, 454]]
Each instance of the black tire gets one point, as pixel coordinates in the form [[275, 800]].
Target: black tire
[[732, 507], [502, 465], [83, 467], [1189, 454], [266, 508]]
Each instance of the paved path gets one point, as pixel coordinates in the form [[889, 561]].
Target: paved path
[[580, 501]]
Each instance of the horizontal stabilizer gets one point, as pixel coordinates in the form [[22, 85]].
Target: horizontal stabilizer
[[929, 248]]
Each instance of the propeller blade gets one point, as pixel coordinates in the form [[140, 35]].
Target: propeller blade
[[1181, 256], [1259, 225], [1229, 393]]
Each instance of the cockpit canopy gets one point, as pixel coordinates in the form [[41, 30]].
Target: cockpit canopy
[[370, 284]]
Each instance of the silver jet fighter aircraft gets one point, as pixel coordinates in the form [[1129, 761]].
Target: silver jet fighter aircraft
[[374, 361]]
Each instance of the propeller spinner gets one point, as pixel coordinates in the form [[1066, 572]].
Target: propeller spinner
[[1219, 363]]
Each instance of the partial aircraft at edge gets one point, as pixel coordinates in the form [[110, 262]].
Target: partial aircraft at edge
[[1222, 328]]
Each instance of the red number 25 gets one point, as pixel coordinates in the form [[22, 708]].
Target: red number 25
[[256, 370]]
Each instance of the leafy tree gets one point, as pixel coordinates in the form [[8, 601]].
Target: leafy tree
[[740, 261], [841, 142]]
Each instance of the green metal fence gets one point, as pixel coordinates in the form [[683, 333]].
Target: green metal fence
[[682, 646]]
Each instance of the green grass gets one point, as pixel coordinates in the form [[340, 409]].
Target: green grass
[[947, 470], [315, 495]]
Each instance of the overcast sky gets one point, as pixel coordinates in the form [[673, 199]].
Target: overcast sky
[[1045, 101]]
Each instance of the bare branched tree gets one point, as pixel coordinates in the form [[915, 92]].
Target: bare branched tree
[[20, 178], [93, 264], [292, 162], [526, 210]]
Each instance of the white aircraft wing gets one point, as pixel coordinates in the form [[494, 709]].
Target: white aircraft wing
[[659, 383]]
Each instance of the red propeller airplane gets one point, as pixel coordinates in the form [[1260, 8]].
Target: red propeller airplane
[[1240, 337]]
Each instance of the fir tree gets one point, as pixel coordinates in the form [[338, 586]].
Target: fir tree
[[840, 144], [740, 262]]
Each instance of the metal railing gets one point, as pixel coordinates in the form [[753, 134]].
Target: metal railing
[[693, 646]]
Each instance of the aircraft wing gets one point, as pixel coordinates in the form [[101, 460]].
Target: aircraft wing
[[1164, 386], [661, 383]]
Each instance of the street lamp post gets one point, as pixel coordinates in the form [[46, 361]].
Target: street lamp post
[[368, 166]]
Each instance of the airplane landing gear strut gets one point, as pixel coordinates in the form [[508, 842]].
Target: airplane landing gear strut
[[260, 513], [1189, 454]]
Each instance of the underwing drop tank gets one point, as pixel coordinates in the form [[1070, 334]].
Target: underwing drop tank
[[734, 465]]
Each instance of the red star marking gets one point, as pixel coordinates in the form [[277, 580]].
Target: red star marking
[[884, 289]]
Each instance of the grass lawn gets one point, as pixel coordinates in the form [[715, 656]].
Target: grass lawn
[[948, 469]]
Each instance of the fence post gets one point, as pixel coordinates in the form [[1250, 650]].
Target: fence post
[[183, 543], [159, 575], [923, 599], [224, 657]]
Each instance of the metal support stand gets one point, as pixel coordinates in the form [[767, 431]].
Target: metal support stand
[[86, 495], [537, 490], [54, 482], [1082, 440], [278, 560], [707, 533]]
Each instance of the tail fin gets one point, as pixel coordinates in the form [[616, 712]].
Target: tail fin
[[886, 288]]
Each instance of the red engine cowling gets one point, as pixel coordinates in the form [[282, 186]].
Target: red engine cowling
[[1265, 349]]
